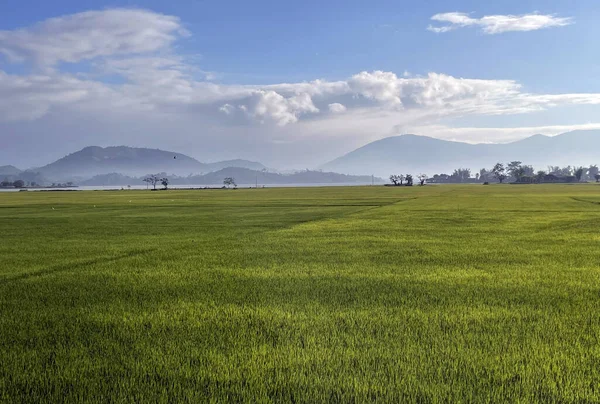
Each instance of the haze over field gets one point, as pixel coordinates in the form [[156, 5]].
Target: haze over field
[[399, 154]]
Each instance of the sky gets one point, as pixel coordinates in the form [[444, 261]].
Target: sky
[[290, 84]]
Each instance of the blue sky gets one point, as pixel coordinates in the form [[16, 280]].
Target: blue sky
[[224, 65]]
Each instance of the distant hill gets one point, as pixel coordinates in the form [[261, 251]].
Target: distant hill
[[251, 165], [112, 179], [246, 176], [242, 176], [8, 170], [95, 161], [12, 173], [411, 154]]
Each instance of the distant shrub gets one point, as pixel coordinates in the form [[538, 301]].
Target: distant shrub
[[486, 183]]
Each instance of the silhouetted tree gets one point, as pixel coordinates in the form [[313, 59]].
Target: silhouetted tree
[[153, 180], [553, 170], [229, 181], [395, 179], [485, 175], [539, 176], [165, 182], [19, 184], [592, 172], [409, 180], [422, 178], [461, 174], [499, 172], [515, 169], [597, 177], [528, 170], [579, 173]]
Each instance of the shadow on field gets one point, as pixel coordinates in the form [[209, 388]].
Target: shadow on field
[[585, 200], [74, 265]]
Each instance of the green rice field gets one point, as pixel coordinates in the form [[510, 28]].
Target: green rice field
[[434, 294]]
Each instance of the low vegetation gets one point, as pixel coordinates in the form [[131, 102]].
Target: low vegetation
[[424, 294]]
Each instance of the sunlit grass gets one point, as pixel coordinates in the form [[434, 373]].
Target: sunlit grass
[[437, 293]]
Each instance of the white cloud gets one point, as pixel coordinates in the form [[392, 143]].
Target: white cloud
[[497, 24], [337, 108], [269, 106], [91, 34], [383, 87], [227, 109]]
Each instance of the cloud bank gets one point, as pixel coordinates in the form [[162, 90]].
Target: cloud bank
[[127, 83], [498, 24]]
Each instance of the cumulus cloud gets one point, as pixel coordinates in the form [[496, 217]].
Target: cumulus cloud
[[497, 24], [91, 34], [380, 86], [337, 108], [269, 106], [227, 109]]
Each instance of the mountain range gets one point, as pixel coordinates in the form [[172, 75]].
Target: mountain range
[[392, 155], [131, 161], [412, 154], [242, 176]]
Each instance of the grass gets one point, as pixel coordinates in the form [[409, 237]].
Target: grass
[[422, 294]]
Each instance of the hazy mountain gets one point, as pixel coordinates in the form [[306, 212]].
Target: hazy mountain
[[27, 176], [112, 179], [95, 160], [242, 176], [411, 154], [251, 165], [246, 176], [131, 161], [8, 170]]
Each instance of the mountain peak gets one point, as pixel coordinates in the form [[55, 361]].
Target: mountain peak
[[132, 161], [413, 153], [9, 170]]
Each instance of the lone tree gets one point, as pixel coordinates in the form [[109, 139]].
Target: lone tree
[[165, 182], [397, 179], [499, 172], [229, 181], [153, 180], [422, 178]]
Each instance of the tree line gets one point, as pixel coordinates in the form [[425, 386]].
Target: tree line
[[24, 184], [517, 172]]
